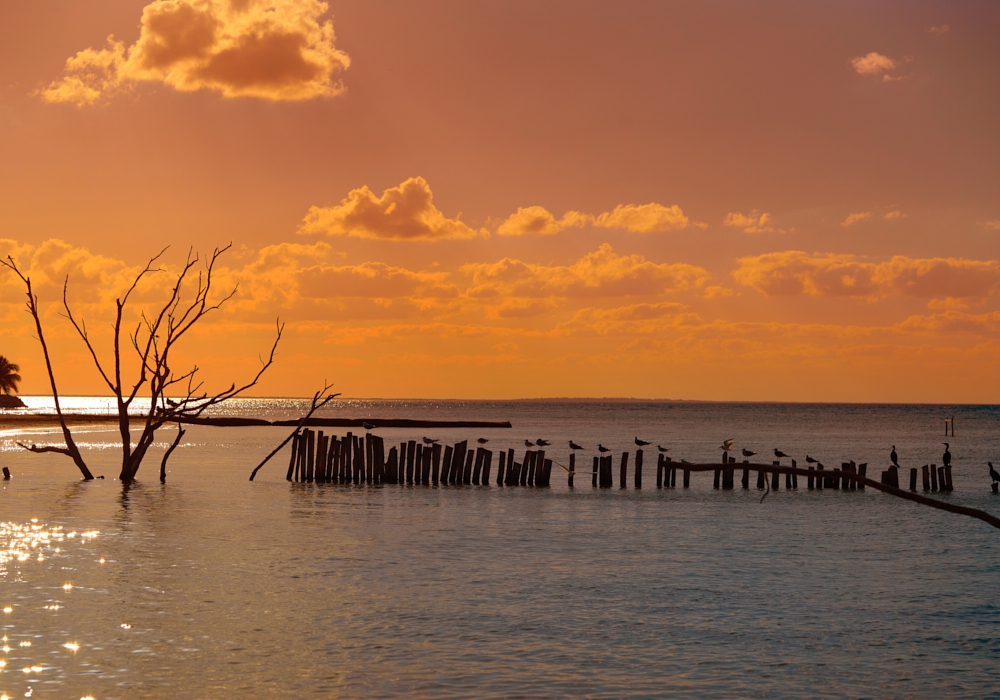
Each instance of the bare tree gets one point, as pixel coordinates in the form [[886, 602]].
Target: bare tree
[[174, 397]]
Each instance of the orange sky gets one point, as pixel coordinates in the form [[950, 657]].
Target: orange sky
[[779, 201]]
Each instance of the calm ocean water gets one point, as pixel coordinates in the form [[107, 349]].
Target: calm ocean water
[[213, 587]]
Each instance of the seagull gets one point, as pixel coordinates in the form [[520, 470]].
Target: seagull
[[946, 457], [529, 443], [727, 445], [894, 457], [430, 441], [602, 448], [482, 441], [574, 446], [810, 460], [993, 472], [779, 454], [661, 448], [641, 443], [748, 453], [541, 443], [368, 426]]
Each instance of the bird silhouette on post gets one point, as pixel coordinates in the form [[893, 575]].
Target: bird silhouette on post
[[541, 443], [810, 460], [429, 441], [368, 426], [602, 448], [661, 448], [482, 441], [529, 443], [946, 457], [993, 473], [748, 454], [779, 454], [641, 443], [894, 457], [574, 446]]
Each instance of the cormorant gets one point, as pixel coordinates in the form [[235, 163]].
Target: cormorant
[[993, 472], [894, 457], [946, 457]]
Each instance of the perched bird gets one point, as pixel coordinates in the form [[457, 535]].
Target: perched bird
[[779, 454], [946, 457], [661, 448], [748, 453], [684, 461], [894, 457], [810, 460], [602, 448], [541, 443], [368, 426], [993, 472], [641, 443], [727, 445], [482, 441], [574, 446], [529, 443], [430, 441]]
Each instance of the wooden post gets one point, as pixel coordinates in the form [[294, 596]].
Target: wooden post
[[310, 455], [947, 474], [513, 473], [369, 459], [530, 461], [894, 477], [346, 448], [333, 459], [510, 463], [795, 477], [546, 471], [500, 468], [934, 478], [852, 485], [863, 473], [425, 473], [715, 480], [746, 478], [659, 471], [487, 466], [291, 460], [359, 459], [321, 447], [775, 478], [788, 482], [925, 477], [478, 469], [809, 480], [392, 467], [418, 462], [435, 463], [446, 464], [379, 460], [6, 474], [623, 470], [942, 480], [525, 463], [540, 468], [687, 478], [411, 451], [913, 478], [467, 474], [761, 479], [572, 469], [673, 474], [458, 463], [597, 465], [638, 469], [819, 478]]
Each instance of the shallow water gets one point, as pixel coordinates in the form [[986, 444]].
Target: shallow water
[[227, 588]]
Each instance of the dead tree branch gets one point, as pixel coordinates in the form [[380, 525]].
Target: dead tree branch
[[320, 399]]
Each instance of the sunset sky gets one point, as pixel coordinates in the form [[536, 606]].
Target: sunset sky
[[713, 200]]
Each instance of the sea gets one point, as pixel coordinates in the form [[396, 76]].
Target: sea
[[213, 586]]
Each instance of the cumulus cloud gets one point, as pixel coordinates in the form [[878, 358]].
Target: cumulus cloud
[[873, 64], [755, 222], [602, 273], [403, 213], [269, 49], [796, 273], [637, 218], [855, 218]]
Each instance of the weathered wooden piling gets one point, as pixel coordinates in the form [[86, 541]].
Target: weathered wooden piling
[[795, 477], [913, 478], [392, 466], [6, 474], [457, 463], [292, 461], [379, 461], [820, 479], [435, 463], [863, 473], [310, 455], [572, 469], [687, 478], [500, 467], [446, 463], [369, 459], [761, 479], [540, 468], [637, 478], [487, 466], [411, 452], [359, 459], [597, 465], [425, 473], [942, 480], [672, 470], [925, 477], [622, 473], [546, 471], [775, 477], [934, 479], [525, 468], [529, 468], [718, 472], [947, 474], [510, 463], [809, 479], [514, 471], [659, 471], [477, 470], [467, 472], [606, 480]]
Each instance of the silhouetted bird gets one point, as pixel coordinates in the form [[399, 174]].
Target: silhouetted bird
[[810, 460], [541, 443], [684, 461], [748, 453], [430, 441], [529, 443], [574, 446], [661, 448], [946, 457], [779, 454], [993, 472], [602, 448], [894, 457], [727, 445], [368, 426], [482, 441], [641, 443]]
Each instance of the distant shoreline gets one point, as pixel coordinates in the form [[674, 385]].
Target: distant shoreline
[[10, 421]]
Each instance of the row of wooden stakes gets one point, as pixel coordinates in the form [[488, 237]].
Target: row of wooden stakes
[[362, 459]]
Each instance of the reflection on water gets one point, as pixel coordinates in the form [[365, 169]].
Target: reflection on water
[[209, 586]]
